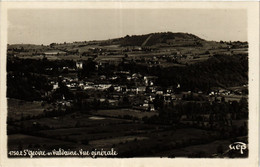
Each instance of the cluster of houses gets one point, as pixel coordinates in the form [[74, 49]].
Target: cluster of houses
[[224, 92], [220, 92], [112, 93], [113, 90]]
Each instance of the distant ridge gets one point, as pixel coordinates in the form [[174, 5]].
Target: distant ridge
[[145, 40], [156, 39]]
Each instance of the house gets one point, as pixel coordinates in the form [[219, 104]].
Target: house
[[152, 107], [79, 65], [178, 96], [133, 89], [169, 90], [128, 78], [149, 80], [128, 89], [147, 107], [64, 103], [102, 100], [102, 77], [116, 97], [113, 78], [103, 86], [81, 85], [151, 98], [96, 66], [113, 102], [88, 87], [118, 88], [167, 98], [55, 86], [221, 91], [159, 92], [48, 69], [183, 117], [173, 97], [140, 89], [136, 76]]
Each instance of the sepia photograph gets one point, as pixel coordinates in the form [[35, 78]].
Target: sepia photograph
[[126, 82]]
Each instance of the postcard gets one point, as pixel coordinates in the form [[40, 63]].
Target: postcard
[[129, 84]]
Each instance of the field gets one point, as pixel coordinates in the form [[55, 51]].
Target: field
[[211, 149], [72, 120], [124, 112], [121, 136], [102, 137], [60, 57], [203, 149], [21, 140], [75, 131], [233, 97], [19, 108]]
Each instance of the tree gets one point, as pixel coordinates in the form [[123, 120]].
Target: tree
[[96, 104], [223, 99], [125, 100], [52, 45], [111, 89]]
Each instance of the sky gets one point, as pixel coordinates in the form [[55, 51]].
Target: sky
[[45, 26]]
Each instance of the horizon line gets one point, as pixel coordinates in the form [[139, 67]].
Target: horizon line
[[93, 40]]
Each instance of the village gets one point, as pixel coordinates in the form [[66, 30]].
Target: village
[[139, 91]]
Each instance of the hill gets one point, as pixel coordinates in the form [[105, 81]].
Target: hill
[[153, 39], [164, 42]]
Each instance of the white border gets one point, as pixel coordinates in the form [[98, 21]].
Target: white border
[[253, 38]]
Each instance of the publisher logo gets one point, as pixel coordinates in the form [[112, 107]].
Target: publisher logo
[[238, 146]]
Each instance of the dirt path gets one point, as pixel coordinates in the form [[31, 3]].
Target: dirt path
[[147, 39]]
